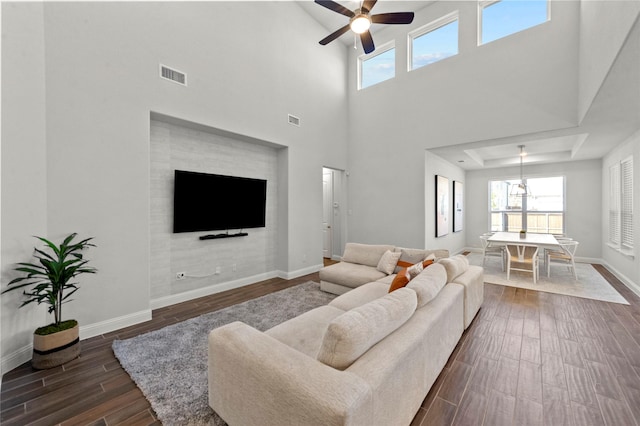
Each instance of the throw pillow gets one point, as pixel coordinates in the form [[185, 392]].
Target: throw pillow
[[353, 333], [414, 270], [401, 280], [388, 262]]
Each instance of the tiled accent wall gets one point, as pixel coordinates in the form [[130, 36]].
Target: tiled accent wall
[[184, 148]]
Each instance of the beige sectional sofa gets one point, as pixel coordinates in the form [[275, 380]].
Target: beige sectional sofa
[[367, 358]]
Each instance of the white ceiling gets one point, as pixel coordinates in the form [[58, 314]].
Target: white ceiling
[[613, 116]]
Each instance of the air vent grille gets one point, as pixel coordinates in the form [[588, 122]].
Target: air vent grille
[[173, 75], [294, 120]]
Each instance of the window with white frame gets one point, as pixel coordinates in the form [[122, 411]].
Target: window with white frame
[[621, 205], [500, 18], [433, 42], [542, 211], [377, 67]]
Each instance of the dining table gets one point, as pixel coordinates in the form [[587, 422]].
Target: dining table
[[540, 240]]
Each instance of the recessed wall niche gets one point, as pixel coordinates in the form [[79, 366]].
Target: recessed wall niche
[[187, 146]]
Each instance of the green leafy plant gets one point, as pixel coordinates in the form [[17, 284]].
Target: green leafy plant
[[51, 278]]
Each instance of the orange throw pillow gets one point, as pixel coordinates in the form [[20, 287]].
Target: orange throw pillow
[[401, 280], [427, 263]]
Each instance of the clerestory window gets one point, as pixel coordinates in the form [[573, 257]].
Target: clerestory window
[[377, 66], [498, 19], [433, 42]]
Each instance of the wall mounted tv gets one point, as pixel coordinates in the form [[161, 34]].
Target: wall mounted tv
[[208, 202]]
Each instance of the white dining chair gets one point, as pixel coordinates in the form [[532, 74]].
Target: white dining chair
[[491, 250], [566, 255], [524, 258]]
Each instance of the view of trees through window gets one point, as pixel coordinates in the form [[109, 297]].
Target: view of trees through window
[[542, 211]]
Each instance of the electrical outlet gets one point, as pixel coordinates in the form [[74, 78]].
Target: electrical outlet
[[218, 270], [180, 276], [233, 267]]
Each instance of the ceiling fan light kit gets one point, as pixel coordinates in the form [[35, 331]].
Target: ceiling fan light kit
[[360, 21]]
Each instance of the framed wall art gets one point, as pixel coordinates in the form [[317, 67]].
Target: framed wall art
[[442, 206], [458, 203]]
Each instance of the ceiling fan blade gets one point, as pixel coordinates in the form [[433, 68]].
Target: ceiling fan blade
[[392, 18], [368, 5], [367, 42], [334, 35], [331, 5]]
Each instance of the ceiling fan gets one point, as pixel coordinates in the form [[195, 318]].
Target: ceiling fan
[[361, 19]]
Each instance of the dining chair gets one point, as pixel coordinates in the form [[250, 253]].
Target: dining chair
[[491, 250], [523, 257], [566, 254], [545, 255]]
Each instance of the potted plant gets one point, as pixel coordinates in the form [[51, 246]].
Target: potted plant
[[50, 281]]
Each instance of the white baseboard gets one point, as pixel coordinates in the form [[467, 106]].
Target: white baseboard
[[209, 290], [625, 280], [300, 272], [113, 324], [16, 358], [23, 354]]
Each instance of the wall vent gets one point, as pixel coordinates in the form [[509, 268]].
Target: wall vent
[[173, 75], [294, 120]]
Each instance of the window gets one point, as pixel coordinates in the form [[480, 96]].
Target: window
[[377, 67], [541, 212], [434, 42], [621, 206], [502, 18]]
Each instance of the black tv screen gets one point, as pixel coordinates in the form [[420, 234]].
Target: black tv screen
[[208, 202]]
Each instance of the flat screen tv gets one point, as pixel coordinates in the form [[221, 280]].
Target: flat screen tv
[[208, 202]]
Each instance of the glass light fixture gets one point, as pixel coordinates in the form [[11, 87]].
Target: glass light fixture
[[520, 189], [360, 23]]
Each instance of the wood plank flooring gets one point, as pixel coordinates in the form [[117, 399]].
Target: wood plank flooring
[[528, 358]]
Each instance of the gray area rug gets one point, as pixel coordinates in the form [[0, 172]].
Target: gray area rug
[[590, 284], [170, 365]]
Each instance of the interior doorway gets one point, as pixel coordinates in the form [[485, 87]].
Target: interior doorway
[[332, 226]]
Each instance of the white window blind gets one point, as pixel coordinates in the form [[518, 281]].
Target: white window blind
[[626, 204], [614, 204]]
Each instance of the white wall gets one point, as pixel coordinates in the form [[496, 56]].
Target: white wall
[[627, 268], [24, 166], [604, 25], [453, 241], [583, 200], [521, 84], [92, 135]]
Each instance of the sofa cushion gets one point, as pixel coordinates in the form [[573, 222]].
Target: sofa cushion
[[388, 262], [352, 334], [304, 332], [350, 274], [360, 296], [455, 266], [364, 254], [428, 283], [411, 256]]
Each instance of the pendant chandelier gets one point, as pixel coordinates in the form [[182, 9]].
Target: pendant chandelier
[[520, 190]]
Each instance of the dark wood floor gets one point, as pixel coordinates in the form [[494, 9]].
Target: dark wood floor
[[528, 358]]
